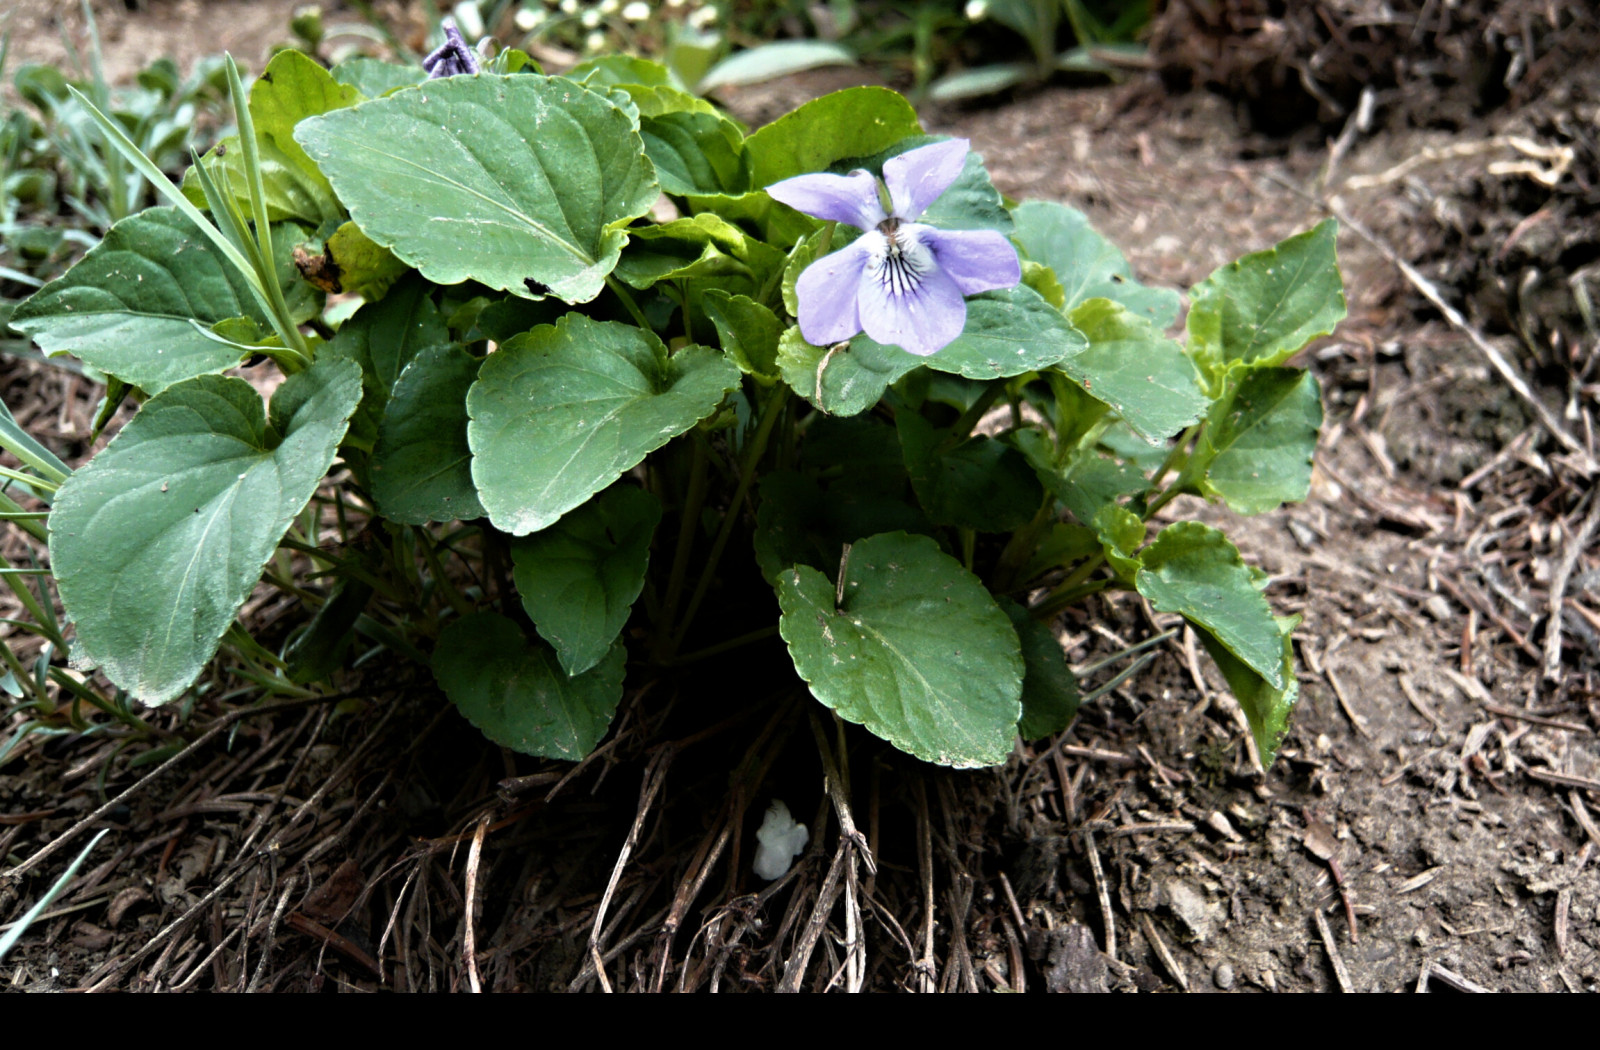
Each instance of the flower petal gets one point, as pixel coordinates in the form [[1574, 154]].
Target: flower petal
[[921, 319], [828, 291], [917, 177], [452, 58], [977, 260], [849, 198]]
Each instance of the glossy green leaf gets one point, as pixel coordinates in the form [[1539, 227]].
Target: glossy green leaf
[[622, 71], [1087, 265], [841, 382], [515, 691], [579, 578], [1145, 377], [1121, 534], [1193, 570], [375, 78], [917, 651], [126, 307], [1260, 441], [981, 483], [501, 180], [855, 122], [695, 152], [1267, 707], [561, 412], [382, 338], [1262, 309], [701, 246], [1087, 482], [158, 541], [971, 202], [748, 331], [1049, 688], [778, 224], [1009, 332], [291, 89], [421, 465]]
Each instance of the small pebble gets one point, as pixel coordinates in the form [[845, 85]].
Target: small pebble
[[1438, 608], [1224, 976]]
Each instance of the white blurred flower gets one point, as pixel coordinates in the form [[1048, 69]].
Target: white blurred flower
[[468, 19], [638, 11], [530, 18], [595, 41], [705, 16], [977, 10], [609, 7], [676, 3], [590, 19], [569, 7]]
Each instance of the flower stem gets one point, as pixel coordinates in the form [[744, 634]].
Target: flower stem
[[627, 301], [688, 523]]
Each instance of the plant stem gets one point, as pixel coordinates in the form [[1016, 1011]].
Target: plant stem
[[747, 472], [722, 647], [688, 524], [628, 303], [969, 419]]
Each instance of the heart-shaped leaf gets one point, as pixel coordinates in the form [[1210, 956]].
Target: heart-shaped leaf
[[1261, 309], [161, 537], [421, 465], [1087, 265], [917, 651], [579, 578], [515, 691], [1260, 442], [1193, 570], [980, 483], [1266, 706], [841, 382], [495, 179], [1131, 366], [855, 122], [126, 307], [382, 338], [562, 411], [748, 331], [1009, 332]]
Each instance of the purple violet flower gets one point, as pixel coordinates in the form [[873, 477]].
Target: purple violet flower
[[901, 281], [453, 57]]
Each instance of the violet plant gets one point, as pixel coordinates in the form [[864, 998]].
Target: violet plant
[[580, 376]]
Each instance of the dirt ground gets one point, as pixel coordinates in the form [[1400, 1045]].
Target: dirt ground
[[1431, 820]]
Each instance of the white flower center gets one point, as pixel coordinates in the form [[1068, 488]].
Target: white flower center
[[899, 259]]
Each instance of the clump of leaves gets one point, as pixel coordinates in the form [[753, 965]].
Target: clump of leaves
[[573, 389]]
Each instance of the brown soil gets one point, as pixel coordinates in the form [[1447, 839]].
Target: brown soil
[[1431, 819]]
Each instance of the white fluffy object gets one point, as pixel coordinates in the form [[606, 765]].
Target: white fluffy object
[[778, 842]]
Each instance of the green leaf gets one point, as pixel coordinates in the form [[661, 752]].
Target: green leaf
[[917, 652], [579, 578], [364, 267], [1266, 706], [855, 122], [1262, 309], [292, 88], [1121, 533], [126, 307], [1145, 377], [382, 338], [1193, 570], [421, 465], [1260, 441], [695, 152], [495, 179], [1088, 481], [563, 411], [1049, 688], [1043, 280], [981, 483], [375, 78], [779, 224], [1009, 332], [516, 693], [158, 541], [622, 71], [1087, 265], [985, 80], [748, 331], [702, 246], [777, 59], [842, 382]]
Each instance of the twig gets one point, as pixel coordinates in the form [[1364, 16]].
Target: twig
[[1339, 971], [1496, 360], [1344, 703], [469, 939], [1163, 952], [794, 969], [1524, 716], [1550, 776], [1100, 889], [1451, 979], [655, 774], [927, 968], [1580, 812], [1576, 544]]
